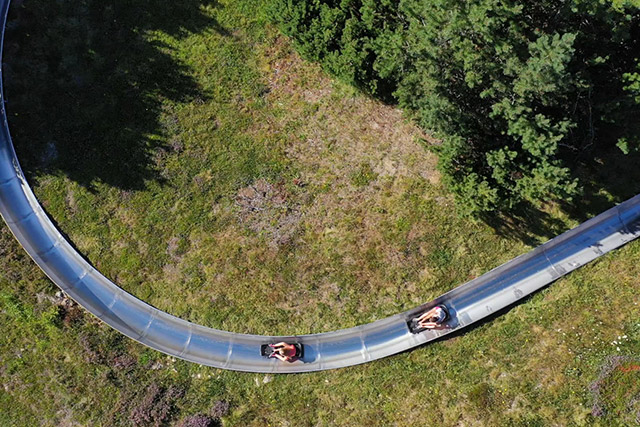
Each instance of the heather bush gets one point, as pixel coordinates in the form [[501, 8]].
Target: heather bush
[[220, 409], [198, 420], [156, 406]]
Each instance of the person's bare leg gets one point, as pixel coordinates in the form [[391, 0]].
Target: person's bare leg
[[425, 316], [428, 325], [278, 345], [279, 356]]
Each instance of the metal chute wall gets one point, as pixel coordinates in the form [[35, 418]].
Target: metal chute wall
[[467, 303]]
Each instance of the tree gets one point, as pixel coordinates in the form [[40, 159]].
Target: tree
[[513, 89], [346, 36]]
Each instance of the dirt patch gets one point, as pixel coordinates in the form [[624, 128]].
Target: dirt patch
[[266, 209]]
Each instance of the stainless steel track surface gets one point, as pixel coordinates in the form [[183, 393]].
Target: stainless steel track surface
[[467, 304]]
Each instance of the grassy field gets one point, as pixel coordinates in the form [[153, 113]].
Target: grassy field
[[196, 160]]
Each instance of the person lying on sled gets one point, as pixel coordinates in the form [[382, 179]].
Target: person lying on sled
[[284, 352], [432, 318]]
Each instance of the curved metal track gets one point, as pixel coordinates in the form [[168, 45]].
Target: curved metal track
[[467, 304]]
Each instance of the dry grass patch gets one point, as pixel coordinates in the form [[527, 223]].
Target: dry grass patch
[[338, 130], [266, 209]]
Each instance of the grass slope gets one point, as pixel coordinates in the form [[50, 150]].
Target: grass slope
[[190, 154]]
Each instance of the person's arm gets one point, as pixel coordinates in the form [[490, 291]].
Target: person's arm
[[427, 315], [283, 346], [280, 357]]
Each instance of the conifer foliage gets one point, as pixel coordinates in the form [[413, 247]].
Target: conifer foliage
[[513, 89]]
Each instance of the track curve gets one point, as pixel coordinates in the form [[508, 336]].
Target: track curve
[[467, 303]]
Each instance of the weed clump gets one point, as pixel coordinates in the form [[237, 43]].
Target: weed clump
[[198, 420], [482, 396], [266, 209], [124, 362], [220, 409], [363, 176], [617, 390], [156, 406], [91, 353]]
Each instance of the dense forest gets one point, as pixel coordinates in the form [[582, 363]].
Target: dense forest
[[516, 91]]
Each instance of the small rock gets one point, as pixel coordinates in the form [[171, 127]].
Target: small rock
[[156, 366]]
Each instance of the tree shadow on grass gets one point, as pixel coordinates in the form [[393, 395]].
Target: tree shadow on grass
[[85, 84], [607, 176], [527, 224]]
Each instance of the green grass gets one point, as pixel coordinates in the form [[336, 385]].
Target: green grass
[[198, 162]]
